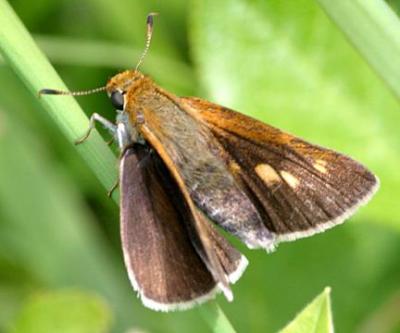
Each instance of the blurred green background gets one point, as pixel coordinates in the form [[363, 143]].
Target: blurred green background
[[283, 62]]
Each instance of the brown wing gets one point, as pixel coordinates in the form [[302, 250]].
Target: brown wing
[[192, 155], [298, 188], [164, 256]]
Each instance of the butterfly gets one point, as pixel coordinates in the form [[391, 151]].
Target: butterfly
[[189, 167]]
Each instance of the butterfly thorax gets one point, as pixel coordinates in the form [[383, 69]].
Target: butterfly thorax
[[190, 151], [125, 81]]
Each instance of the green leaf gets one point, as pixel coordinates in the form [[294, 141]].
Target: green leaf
[[374, 29], [15, 284], [288, 64], [316, 317], [127, 21], [63, 312]]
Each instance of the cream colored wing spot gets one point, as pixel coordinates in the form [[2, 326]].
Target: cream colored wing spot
[[320, 165], [268, 174], [291, 180], [234, 166]]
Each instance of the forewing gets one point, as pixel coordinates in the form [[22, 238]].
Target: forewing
[[298, 188], [162, 260], [192, 153]]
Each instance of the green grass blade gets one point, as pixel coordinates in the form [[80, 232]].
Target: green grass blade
[[216, 318], [28, 62], [374, 29]]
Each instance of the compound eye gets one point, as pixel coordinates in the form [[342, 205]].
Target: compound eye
[[117, 99]]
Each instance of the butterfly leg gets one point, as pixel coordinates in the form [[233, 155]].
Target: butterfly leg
[[122, 133], [108, 125], [113, 188], [92, 122]]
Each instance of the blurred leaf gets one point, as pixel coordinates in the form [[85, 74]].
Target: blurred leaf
[[33, 12], [168, 72], [125, 20], [395, 5], [316, 317], [374, 29], [385, 318], [15, 284], [290, 66], [63, 312]]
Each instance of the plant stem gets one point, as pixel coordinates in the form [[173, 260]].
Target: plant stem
[[215, 318]]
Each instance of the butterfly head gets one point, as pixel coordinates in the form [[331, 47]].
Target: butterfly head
[[120, 84]]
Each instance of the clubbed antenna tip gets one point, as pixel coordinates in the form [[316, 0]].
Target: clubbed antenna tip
[[149, 23]]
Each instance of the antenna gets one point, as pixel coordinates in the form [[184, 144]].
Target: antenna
[[149, 22], [70, 93]]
